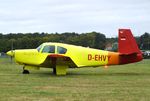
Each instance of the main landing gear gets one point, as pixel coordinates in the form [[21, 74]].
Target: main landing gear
[[54, 70], [60, 70]]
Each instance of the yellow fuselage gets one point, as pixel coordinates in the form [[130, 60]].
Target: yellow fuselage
[[81, 56]]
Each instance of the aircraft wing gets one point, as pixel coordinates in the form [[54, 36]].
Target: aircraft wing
[[59, 60]]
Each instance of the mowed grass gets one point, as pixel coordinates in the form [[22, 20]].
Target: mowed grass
[[116, 83]]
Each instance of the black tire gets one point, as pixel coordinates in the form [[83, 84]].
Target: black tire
[[25, 72], [54, 71]]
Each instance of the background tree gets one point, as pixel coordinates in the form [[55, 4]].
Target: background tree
[[92, 39], [145, 41]]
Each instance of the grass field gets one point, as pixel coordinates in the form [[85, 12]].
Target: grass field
[[117, 83]]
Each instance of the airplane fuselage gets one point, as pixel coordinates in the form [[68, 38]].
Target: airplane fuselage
[[81, 56]]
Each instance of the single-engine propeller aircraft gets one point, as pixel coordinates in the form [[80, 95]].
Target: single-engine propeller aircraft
[[59, 56]]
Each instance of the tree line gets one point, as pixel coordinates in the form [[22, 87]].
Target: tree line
[[33, 40], [92, 39]]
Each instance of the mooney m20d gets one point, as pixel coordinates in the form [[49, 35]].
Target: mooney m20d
[[59, 56]]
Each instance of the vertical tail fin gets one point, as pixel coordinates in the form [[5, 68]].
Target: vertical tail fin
[[127, 43], [128, 49]]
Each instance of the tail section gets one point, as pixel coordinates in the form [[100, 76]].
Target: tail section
[[127, 43], [128, 49]]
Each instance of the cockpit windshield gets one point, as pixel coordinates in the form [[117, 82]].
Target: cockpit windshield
[[39, 48]]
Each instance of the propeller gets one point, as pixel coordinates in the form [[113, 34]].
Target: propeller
[[11, 52]]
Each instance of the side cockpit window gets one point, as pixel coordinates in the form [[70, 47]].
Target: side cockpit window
[[48, 49], [61, 50]]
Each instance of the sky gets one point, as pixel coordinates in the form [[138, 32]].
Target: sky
[[81, 16]]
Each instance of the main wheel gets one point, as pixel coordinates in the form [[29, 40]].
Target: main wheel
[[54, 70]]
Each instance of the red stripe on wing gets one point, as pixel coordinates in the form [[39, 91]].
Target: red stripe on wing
[[56, 55]]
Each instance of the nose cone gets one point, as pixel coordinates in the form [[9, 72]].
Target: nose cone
[[10, 53]]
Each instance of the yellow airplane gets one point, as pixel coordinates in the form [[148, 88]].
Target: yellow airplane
[[61, 56]]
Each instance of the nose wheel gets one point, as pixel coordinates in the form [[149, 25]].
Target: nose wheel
[[25, 71]]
